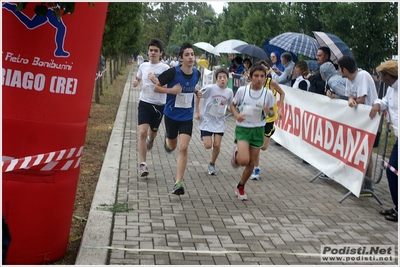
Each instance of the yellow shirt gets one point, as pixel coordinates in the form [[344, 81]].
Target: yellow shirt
[[203, 62], [273, 118]]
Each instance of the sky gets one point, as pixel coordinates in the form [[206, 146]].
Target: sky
[[217, 5]]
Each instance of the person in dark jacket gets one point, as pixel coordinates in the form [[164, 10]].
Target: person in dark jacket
[[6, 240], [317, 84], [232, 66]]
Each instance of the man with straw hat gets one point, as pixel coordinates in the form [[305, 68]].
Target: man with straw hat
[[388, 73]]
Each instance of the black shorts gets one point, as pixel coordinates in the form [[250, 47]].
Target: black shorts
[[150, 114], [269, 129], [206, 133], [173, 127]]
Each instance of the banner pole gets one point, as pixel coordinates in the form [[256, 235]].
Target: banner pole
[[363, 191], [316, 176]]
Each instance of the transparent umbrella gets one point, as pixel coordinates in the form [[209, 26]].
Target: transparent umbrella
[[206, 47], [228, 46]]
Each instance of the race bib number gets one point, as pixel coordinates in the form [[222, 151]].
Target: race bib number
[[184, 100], [148, 91], [217, 110], [252, 114]]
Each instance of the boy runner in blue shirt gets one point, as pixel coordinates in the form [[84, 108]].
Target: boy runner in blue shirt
[[181, 82]]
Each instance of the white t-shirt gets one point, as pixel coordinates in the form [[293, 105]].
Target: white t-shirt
[[300, 79], [212, 110], [140, 60], [361, 85], [174, 63], [147, 94], [390, 102], [251, 103]]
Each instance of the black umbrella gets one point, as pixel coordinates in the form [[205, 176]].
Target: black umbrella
[[175, 47], [252, 50]]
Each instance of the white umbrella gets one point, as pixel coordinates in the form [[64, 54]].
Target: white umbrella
[[228, 46], [206, 47]]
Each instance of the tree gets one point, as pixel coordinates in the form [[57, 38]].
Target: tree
[[122, 32], [369, 29], [168, 21], [58, 7]]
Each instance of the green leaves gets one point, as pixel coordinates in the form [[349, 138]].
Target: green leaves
[[21, 6], [41, 10], [58, 8]]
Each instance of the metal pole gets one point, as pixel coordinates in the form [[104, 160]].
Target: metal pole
[[213, 56]]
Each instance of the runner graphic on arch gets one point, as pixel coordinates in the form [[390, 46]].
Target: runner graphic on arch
[[37, 21]]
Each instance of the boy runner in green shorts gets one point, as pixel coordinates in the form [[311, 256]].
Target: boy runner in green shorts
[[250, 106], [271, 117]]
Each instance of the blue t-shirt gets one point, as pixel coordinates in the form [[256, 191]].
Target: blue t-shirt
[[240, 69], [188, 83]]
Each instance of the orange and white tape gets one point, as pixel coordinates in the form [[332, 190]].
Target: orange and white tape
[[50, 160], [390, 167], [99, 74]]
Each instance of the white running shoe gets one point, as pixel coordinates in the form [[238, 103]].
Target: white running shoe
[[211, 169], [144, 171], [256, 174]]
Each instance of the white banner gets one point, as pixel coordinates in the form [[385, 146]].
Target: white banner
[[328, 134], [206, 78]]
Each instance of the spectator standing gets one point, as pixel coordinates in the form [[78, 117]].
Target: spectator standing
[[335, 83], [317, 83], [388, 73], [247, 65], [170, 58], [239, 67], [250, 107], [232, 65], [276, 60], [164, 60], [151, 104], [211, 116], [174, 62], [6, 237], [284, 77], [360, 88], [140, 58], [203, 62], [300, 70], [180, 87]]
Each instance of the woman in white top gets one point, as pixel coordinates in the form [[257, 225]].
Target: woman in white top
[[174, 62], [300, 70]]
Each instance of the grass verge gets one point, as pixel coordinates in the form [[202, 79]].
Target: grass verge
[[100, 125]]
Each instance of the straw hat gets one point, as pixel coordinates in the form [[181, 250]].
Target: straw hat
[[390, 67]]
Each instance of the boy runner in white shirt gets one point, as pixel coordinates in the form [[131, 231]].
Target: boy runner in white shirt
[[151, 104], [211, 116]]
